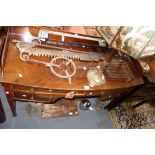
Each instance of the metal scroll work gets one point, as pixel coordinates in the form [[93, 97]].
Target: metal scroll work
[[35, 49], [60, 66], [61, 63]]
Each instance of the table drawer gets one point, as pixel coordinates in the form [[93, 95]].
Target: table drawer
[[22, 95], [42, 96], [20, 87]]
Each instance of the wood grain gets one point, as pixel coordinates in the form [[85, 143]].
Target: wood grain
[[30, 81]]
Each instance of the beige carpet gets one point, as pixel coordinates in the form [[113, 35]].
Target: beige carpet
[[125, 117]]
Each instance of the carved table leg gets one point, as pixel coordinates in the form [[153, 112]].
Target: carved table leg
[[2, 113], [12, 105], [10, 97]]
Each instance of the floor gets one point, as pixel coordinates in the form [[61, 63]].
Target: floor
[[89, 119]]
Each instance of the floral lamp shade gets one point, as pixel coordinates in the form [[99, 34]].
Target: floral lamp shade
[[135, 41]]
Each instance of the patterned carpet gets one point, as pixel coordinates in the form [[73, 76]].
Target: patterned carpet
[[125, 117]]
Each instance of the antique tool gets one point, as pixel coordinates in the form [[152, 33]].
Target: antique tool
[[63, 54], [69, 68], [63, 61], [75, 45], [44, 50], [60, 54], [51, 42], [60, 66], [43, 34]]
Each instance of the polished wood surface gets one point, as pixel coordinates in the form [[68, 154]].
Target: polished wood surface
[[31, 81], [37, 75], [18, 33]]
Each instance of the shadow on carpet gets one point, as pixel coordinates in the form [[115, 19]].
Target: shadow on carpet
[[125, 117]]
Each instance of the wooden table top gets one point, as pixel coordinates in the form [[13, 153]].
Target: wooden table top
[[34, 74]]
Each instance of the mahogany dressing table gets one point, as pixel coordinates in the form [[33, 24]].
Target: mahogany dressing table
[[33, 81]]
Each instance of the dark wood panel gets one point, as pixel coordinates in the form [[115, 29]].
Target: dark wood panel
[[60, 109], [24, 95], [42, 97], [20, 87]]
